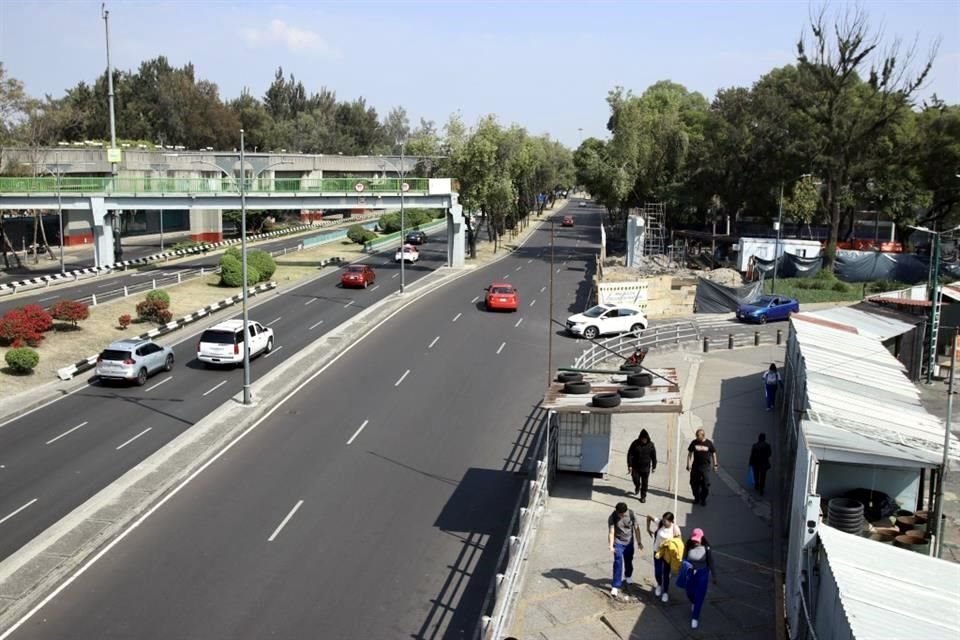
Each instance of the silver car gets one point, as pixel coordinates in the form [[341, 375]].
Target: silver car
[[133, 360]]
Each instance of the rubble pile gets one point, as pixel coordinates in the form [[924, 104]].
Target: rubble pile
[[651, 266]]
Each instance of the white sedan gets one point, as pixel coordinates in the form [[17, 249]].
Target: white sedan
[[605, 319], [408, 253]]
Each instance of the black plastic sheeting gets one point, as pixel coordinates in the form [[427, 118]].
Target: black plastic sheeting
[[864, 266], [716, 298], [790, 266]]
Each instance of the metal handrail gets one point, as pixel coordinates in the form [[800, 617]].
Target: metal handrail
[[220, 184], [625, 344]]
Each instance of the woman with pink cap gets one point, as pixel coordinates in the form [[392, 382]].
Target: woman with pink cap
[[697, 555]]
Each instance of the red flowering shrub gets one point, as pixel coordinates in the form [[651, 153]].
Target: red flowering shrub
[[154, 311], [70, 311], [124, 320], [25, 325]]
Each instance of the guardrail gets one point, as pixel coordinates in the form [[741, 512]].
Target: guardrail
[[625, 344], [393, 237], [148, 185]]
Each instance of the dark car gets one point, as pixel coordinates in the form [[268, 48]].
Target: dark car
[[768, 308], [358, 275], [416, 237]]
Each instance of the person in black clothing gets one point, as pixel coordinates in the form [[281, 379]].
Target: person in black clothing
[[700, 454], [760, 461], [641, 462]]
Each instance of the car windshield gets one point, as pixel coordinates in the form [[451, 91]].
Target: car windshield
[[114, 354], [595, 312], [502, 290], [764, 301], [218, 337], [354, 269]]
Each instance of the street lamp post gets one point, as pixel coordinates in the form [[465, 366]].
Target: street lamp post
[[243, 274], [403, 222]]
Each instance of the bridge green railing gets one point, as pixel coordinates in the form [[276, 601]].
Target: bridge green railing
[[146, 185]]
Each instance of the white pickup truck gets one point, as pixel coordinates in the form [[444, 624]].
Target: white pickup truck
[[407, 253]]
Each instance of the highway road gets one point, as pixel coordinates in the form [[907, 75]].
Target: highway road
[[55, 458], [373, 503], [112, 285]]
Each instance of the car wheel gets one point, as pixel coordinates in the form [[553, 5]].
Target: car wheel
[[637, 328], [639, 380], [632, 392], [569, 376], [269, 346], [168, 363], [590, 333], [577, 388], [142, 377], [631, 368], [365, 284], [763, 319], [606, 400]]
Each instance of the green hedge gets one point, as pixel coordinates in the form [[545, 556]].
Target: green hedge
[[22, 360], [231, 272]]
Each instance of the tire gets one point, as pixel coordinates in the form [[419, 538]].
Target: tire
[[590, 333], [365, 284], [569, 376], [269, 347], [142, 377], [637, 328], [631, 368], [639, 380], [577, 388], [763, 319], [606, 400], [168, 363], [632, 392]]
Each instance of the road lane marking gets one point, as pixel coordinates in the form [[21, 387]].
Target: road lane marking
[[48, 298], [284, 522], [558, 270], [542, 289], [315, 325], [10, 515], [103, 286], [456, 317], [474, 301], [395, 275], [275, 349], [433, 343], [518, 322], [533, 302], [348, 304], [506, 277], [165, 380], [502, 345], [530, 260], [66, 433], [405, 374], [133, 438], [518, 268], [310, 301], [223, 382], [354, 436], [277, 319], [374, 288]]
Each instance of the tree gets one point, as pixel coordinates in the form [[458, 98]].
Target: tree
[[396, 128], [71, 311], [848, 114], [802, 202]]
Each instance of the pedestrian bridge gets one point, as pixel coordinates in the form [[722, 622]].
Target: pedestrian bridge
[[106, 197]]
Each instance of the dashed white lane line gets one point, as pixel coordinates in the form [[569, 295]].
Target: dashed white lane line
[[474, 301], [506, 277], [530, 260], [375, 287], [13, 513], [66, 433], [315, 325], [395, 275], [47, 298], [558, 270], [134, 438], [348, 304], [405, 374], [274, 320], [518, 322], [354, 436], [456, 317], [542, 289], [104, 286], [222, 382], [275, 349], [502, 345], [533, 302], [164, 381], [284, 522], [433, 342], [518, 268], [310, 301]]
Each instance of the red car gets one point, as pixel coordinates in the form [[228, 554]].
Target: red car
[[567, 221], [358, 275], [502, 296]]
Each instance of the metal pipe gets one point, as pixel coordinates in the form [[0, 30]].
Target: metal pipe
[[243, 274], [403, 277], [113, 121], [938, 512], [550, 309]]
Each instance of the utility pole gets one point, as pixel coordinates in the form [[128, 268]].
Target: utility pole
[[113, 122], [550, 309], [403, 237], [941, 477], [60, 208], [243, 274]]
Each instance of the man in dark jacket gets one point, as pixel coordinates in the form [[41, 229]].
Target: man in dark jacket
[[760, 454], [641, 462]]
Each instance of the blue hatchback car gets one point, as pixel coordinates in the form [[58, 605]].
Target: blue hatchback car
[[767, 308]]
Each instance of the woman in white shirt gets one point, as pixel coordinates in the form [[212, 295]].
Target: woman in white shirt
[[771, 381], [667, 529]]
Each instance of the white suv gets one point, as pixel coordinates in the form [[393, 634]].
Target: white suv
[[223, 343], [133, 359], [605, 319]]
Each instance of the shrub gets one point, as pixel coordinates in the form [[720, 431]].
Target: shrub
[[159, 295], [185, 245], [233, 251], [825, 274], [263, 262], [231, 272], [25, 326], [358, 234], [22, 359], [71, 311], [153, 311], [390, 222], [124, 320], [840, 286]]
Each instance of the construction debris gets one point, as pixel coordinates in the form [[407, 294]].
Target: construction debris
[[650, 266]]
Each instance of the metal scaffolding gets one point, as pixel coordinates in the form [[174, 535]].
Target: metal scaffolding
[[655, 216]]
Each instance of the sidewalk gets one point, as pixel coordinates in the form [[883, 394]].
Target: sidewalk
[[565, 588]]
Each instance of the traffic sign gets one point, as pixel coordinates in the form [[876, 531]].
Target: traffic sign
[[405, 186], [358, 187]]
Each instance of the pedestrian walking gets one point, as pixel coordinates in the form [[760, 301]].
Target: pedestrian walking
[[760, 454], [699, 559], [700, 454], [641, 462], [623, 530], [668, 551], [771, 382]]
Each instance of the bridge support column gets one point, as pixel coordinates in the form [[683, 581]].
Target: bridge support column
[[102, 233], [206, 225], [456, 236], [76, 228]]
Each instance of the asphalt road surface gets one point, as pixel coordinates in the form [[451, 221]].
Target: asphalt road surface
[[373, 503], [55, 458], [112, 284]]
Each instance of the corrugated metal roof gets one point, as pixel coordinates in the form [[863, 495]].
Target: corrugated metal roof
[[829, 442], [888, 592], [869, 324], [854, 384]]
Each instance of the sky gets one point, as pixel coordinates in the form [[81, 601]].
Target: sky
[[547, 66]]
